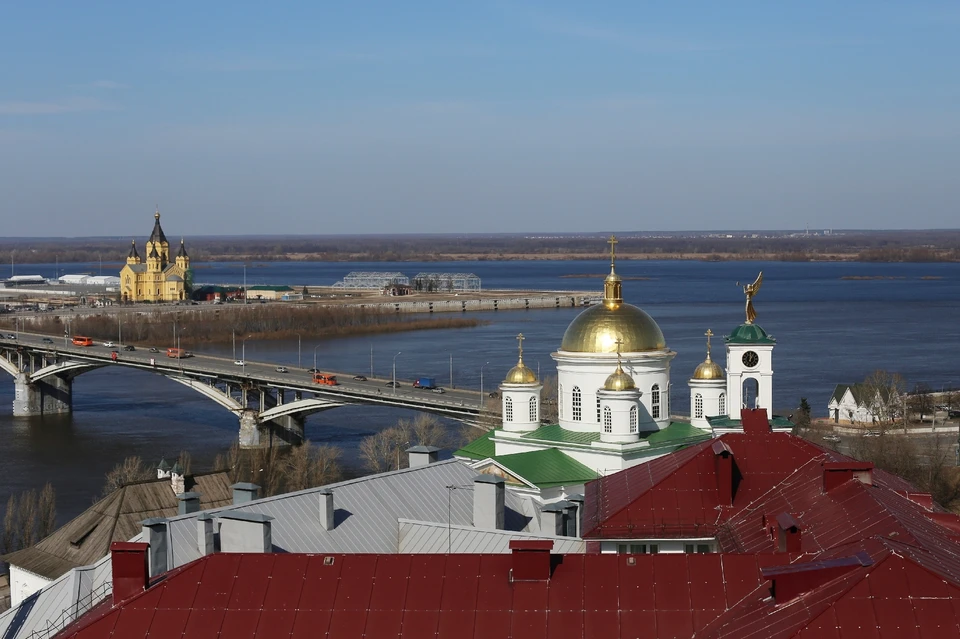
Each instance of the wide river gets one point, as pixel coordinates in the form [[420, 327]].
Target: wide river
[[829, 329]]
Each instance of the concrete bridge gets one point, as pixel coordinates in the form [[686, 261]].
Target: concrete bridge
[[270, 405]]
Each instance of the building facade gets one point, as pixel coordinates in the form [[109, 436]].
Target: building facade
[[157, 278]]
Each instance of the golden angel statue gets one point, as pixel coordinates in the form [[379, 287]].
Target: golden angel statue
[[750, 290]]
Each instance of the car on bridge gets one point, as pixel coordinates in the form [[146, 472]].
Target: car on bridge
[[360, 378], [11, 336], [281, 369], [831, 438], [239, 362], [129, 347], [47, 340], [439, 390], [392, 384], [154, 350]]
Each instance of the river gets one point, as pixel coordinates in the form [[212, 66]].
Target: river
[[829, 328]]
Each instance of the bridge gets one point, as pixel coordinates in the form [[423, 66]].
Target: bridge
[[270, 405]]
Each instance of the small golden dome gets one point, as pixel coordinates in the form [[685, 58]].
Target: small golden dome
[[708, 370], [520, 374], [619, 380]]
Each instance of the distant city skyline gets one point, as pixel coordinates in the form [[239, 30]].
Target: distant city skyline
[[535, 117]]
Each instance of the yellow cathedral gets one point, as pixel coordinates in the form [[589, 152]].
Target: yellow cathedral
[[157, 279]]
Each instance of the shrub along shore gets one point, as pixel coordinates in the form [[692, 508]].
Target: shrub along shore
[[265, 322]]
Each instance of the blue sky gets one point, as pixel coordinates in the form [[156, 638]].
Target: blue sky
[[323, 117]]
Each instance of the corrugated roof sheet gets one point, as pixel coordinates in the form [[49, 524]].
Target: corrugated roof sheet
[[366, 511], [421, 537], [117, 517], [480, 448]]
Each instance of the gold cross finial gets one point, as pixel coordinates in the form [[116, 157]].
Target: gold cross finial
[[520, 339], [613, 249], [709, 334], [619, 343]]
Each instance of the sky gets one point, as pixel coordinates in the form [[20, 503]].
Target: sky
[[477, 117]]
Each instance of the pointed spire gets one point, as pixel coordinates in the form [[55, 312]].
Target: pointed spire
[[133, 250], [157, 234], [183, 251]]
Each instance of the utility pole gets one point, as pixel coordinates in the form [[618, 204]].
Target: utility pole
[[451, 370]]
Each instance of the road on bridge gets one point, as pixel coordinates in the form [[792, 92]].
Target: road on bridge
[[372, 390]]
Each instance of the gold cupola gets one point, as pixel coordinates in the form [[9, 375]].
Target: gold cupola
[[520, 374], [619, 380], [708, 369], [597, 329]]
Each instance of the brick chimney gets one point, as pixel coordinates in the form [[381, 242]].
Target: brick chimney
[[754, 421], [788, 533], [837, 473], [723, 465], [793, 580], [531, 559], [129, 565]]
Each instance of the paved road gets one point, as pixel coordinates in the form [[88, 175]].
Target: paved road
[[373, 390]]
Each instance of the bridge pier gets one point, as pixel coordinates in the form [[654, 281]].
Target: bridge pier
[[52, 395], [286, 430]]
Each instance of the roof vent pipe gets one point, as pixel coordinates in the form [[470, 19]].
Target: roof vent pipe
[[423, 455], [244, 492], [575, 521], [155, 535], [205, 543], [531, 559], [488, 502], [789, 534], [326, 509], [188, 503], [555, 518]]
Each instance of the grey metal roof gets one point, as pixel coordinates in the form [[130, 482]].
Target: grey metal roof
[[437, 538], [66, 598], [366, 512]]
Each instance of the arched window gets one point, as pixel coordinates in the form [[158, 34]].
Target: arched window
[[655, 401], [698, 406], [633, 419], [508, 409], [607, 420], [577, 405], [560, 401], [722, 404], [533, 409]]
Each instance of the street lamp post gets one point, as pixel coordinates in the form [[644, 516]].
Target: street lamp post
[[233, 339], [394, 384], [315, 357], [481, 384], [299, 362], [451, 370], [371, 359], [243, 355], [119, 331]]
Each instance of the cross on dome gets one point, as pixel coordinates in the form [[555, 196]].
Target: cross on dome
[[709, 334], [613, 250], [520, 339]]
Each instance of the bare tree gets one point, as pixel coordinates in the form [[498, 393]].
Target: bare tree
[[230, 462], [185, 462], [130, 470], [307, 466], [548, 400], [46, 511], [11, 534], [326, 461], [920, 401], [884, 392], [27, 518], [380, 452]]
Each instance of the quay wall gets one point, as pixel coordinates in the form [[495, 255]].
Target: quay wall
[[493, 303]]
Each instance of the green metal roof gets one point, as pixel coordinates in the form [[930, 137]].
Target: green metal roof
[[777, 421], [675, 433], [480, 448], [546, 468], [554, 433], [749, 334]]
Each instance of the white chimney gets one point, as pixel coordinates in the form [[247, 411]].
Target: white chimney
[[205, 534], [245, 532], [155, 534], [326, 509], [488, 502]]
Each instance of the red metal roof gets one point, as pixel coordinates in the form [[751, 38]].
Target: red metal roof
[[458, 596]]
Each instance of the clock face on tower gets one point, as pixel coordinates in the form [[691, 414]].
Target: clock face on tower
[[750, 359]]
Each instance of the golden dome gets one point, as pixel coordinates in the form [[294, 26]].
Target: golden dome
[[619, 380], [597, 329], [520, 374], [708, 369], [600, 327]]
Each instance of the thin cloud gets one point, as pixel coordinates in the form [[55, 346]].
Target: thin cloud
[[107, 84], [69, 105], [622, 39]]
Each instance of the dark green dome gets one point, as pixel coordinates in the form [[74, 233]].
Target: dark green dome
[[749, 334]]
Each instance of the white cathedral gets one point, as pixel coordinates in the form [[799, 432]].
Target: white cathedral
[[613, 373]]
